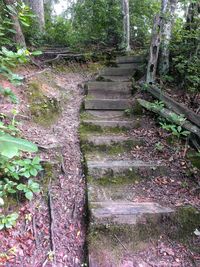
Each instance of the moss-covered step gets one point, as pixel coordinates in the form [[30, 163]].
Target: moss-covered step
[[110, 243], [109, 169], [109, 124], [109, 144], [131, 59], [111, 78], [108, 104], [117, 71], [112, 90]]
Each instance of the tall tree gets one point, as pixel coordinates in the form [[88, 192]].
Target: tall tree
[[37, 7], [126, 24], [19, 36], [167, 13]]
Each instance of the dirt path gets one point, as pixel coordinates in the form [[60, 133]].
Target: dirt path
[[62, 179]]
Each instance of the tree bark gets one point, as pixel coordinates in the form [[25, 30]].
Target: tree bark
[[126, 24], [167, 13], [154, 51], [37, 7], [19, 36]]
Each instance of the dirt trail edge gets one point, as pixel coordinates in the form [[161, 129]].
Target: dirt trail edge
[[51, 229]]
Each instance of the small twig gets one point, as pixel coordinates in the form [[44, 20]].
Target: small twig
[[51, 222], [197, 111], [120, 242], [45, 262], [35, 231]]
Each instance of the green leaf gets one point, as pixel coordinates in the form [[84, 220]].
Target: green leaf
[[29, 195], [36, 53], [21, 187], [10, 146], [33, 172]]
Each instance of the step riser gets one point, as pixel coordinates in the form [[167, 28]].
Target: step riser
[[113, 124], [129, 59], [95, 104], [105, 114], [118, 72], [109, 147], [106, 94], [114, 78], [133, 66], [108, 85], [143, 172]]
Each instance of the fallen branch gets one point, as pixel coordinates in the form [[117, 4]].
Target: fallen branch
[[35, 231], [170, 116], [51, 222], [120, 242], [174, 105]]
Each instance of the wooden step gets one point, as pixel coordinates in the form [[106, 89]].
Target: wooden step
[[107, 104], [122, 168], [114, 71], [114, 124], [131, 59], [110, 78]]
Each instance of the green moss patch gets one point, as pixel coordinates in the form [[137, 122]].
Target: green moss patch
[[88, 128], [114, 148], [44, 109]]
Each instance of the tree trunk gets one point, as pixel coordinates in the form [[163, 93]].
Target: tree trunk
[[19, 36], [167, 13], [154, 51], [126, 24], [37, 7]]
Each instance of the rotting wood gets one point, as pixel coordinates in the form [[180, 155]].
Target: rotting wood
[[154, 50], [174, 105], [170, 116]]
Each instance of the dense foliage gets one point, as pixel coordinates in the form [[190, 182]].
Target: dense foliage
[[15, 169], [185, 50], [90, 22]]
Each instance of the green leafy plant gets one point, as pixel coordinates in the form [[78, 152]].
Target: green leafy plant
[[7, 92], [8, 221], [159, 146], [28, 167], [174, 129], [158, 105], [29, 189]]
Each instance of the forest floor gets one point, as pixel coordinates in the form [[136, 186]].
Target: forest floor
[[30, 243]]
